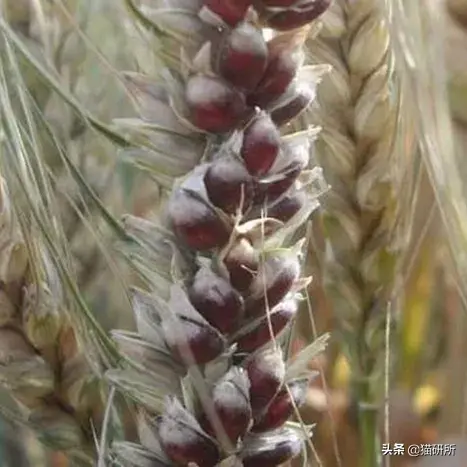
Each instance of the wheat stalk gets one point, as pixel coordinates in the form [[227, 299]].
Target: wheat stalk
[[359, 114], [222, 273]]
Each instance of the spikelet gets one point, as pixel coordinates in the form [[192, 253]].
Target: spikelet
[[221, 270], [41, 364]]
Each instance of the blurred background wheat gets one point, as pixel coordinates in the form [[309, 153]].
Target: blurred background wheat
[[386, 249]]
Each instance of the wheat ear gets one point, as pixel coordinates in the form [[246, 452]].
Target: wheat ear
[[358, 113], [41, 365], [222, 272]]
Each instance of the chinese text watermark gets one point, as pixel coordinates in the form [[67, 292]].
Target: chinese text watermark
[[418, 450]]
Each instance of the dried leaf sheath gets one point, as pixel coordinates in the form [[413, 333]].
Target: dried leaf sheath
[[220, 268], [41, 365]]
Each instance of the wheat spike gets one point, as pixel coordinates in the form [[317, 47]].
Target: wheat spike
[[213, 327], [358, 113], [355, 152], [41, 364]]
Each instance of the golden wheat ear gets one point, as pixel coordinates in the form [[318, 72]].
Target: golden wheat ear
[[222, 266]]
